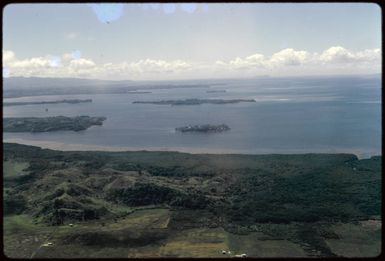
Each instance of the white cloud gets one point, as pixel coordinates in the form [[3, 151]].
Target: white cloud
[[81, 63], [8, 56], [338, 54], [333, 60], [297, 61], [70, 65], [158, 66], [286, 57], [37, 62], [289, 57]]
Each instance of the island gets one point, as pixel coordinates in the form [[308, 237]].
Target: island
[[206, 128], [195, 101], [45, 124], [215, 91], [137, 92], [71, 101]]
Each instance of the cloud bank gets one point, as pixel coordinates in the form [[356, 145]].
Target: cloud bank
[[286, 62]]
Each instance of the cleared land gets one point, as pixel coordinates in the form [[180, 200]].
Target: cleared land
[[169, 204]]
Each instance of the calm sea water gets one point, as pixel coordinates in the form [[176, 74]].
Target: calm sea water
[[290, 116]]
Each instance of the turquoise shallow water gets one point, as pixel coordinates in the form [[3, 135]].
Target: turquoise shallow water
[[290, 116]]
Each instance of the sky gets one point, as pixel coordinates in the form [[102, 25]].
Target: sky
[[190, 41]]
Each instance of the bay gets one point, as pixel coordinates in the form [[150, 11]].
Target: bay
[[298, 115]]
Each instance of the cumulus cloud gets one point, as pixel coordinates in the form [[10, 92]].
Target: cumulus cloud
[[286, 57], [286, 62], [289, 59], [73, 65], [159, 66], [81, 63], [37, 62], [8, 56], [338, 54]]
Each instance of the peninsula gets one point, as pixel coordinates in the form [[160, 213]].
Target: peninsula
[[195, 101], [71, 101], [207, 128], [45, 124]]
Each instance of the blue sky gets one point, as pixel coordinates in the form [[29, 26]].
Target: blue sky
[[159, 41]]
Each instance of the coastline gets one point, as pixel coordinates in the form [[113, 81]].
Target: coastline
[[61, 146]]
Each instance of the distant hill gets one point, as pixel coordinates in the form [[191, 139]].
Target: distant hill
[[34, 86], [38, 82]]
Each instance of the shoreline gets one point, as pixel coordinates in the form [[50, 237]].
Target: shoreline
[[61, 146]]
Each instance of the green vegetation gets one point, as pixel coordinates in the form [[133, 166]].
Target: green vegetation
[[34, 124], [71, 101], [206, 128], [143, 204], [195, 101]]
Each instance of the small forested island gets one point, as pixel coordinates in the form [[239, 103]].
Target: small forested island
[[44, 124], [215, 91], [138, 92], [71, 101], [207, 128], [195, 101]]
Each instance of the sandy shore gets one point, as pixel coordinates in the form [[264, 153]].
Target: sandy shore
[[84, 147]]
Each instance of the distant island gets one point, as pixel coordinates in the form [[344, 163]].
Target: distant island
[[138, 92], [195, 101], [215, 91], [72, 101], [207, 128], [57, 123]]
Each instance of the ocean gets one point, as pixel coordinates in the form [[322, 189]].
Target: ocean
[[290, 115]]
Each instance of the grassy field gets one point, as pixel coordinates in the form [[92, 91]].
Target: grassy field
[[357, 240], [169, 204], [13, 168], [258, 244], [24, 239]]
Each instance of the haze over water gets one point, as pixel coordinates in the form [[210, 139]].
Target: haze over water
[[290, 115]]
